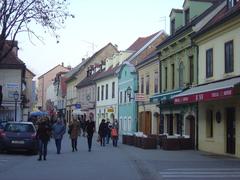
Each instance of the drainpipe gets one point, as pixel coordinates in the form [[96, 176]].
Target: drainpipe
[[197, 112], [160, 89]]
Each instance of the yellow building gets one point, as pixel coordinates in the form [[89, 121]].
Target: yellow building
[[217, 94], [148, 73]]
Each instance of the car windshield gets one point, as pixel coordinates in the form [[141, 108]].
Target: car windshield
[[19, 128]]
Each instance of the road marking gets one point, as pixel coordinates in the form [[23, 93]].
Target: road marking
[[201, 176], [204, 169], [201, 173]]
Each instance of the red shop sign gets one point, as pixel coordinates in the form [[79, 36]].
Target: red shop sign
[[205, 96]]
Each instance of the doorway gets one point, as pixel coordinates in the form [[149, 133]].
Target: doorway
[[231, 130]]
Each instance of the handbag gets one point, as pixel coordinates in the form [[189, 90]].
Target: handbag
[[98, 138]]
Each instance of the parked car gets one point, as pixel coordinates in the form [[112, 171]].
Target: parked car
[[19, 136]]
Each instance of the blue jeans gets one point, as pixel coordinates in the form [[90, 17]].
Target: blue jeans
[[58, 143], [42, 149]]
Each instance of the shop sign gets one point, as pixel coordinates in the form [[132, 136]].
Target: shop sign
[[110, 110], [139, 97], [206, 96]]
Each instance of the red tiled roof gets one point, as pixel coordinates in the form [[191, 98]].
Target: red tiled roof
[[140, 42]]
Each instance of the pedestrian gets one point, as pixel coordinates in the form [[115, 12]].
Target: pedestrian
[[109, 127], [74, 128], [59, 130], [90, 129], [116, 124], [102, 131], [114, 135], [43, 136]]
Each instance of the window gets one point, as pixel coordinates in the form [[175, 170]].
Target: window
[[102, 92], [156, 81], [106, 91], [187, 16], [98, 93], [147, 84], [173, 76], [166, 78], [173, 26], [191, 70], [229, 57], [121, 97], [209, 123], [142, 85], [170, 124], [209, 63], [113, 89], [181, 82], [232, 3], [125, 96]]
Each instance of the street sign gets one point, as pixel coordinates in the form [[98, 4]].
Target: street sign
[[139, 97], [77, 106]]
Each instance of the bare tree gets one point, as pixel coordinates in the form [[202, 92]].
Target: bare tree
[[18, 16]]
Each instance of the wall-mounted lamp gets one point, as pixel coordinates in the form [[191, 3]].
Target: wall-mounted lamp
[[129, 92]]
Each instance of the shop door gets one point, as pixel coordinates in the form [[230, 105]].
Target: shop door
[[230, 118], [148, 122], [192, 130]]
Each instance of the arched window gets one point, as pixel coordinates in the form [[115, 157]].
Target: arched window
[[181, 68]]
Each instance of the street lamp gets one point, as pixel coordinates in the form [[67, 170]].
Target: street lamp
[[129, 92], [16, 96]]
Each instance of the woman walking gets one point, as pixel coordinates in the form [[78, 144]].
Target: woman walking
[[58, 132], [43, 136], [74, 130], [90, 128], [102, 131]]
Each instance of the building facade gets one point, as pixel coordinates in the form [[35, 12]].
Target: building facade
[[127, 106], [217, 94], [44, 81], [179, 69], [12, 75], [149, 79], [78, 73]]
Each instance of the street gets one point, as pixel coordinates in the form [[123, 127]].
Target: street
[[124, 162]]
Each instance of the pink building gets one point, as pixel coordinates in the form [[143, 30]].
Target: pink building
[[44, 81]]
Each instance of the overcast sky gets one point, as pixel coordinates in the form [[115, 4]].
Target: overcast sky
[[96, 23]]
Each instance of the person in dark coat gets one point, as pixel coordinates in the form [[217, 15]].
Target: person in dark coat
[[102, 131], [90, 129], [43, 136]]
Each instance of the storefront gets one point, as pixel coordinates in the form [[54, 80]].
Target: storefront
[[177, 122], [218, 115]]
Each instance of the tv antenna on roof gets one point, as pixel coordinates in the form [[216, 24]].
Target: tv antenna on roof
[[163, 19]]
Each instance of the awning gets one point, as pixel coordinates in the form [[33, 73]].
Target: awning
[[207, 92], [164, 96]]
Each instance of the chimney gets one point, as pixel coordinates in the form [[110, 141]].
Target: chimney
[[62, 64], [15, 48]]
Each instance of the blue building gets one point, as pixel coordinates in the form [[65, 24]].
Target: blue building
[[127, 79]]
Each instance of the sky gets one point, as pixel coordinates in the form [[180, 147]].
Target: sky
[[96, 23]]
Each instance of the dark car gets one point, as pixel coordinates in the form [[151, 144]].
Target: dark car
[[19, 136]]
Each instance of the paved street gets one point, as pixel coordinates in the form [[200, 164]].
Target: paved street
[[124, 162]]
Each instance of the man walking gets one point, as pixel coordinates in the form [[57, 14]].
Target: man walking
[[90, 128], [58, 132]]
